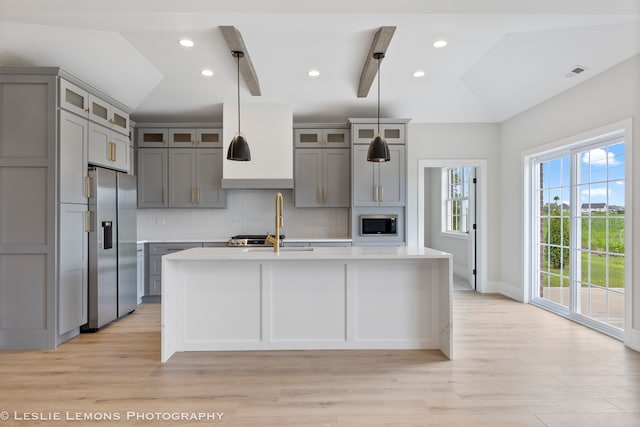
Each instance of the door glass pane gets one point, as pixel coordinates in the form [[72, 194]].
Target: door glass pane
[[587, 267]]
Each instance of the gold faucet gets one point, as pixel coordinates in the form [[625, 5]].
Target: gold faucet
[[275, 241]]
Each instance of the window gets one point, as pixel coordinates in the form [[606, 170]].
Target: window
[[456, 199], [578, 232]]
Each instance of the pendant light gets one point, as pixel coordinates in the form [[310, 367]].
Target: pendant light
[[238, 149], [378, 148]]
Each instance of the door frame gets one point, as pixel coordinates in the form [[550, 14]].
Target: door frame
[[480, 165]]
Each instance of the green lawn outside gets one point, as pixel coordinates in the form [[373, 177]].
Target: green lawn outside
[[598, 272], [594, 237]]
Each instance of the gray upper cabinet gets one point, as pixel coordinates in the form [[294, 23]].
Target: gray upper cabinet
[[73, 143], [364, 133], [182, 138], [209, 192], [153, 137], [195, 138], [85, 104], [182, 167], [322, 178], [153, 177], [156, 137], [108, 148], [74, 99], [379, 184], [102, 112], [180, 178], [209, 138], [195, 178], [321, 138]]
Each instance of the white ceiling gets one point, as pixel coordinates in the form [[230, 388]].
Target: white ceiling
[[503, 57]]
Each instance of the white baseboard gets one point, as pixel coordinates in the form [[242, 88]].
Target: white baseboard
[[510, 291], [635, 340]]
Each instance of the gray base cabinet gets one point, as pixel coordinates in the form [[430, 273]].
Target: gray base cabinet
[[153, 264]]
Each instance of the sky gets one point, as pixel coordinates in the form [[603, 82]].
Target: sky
[[600, 176]]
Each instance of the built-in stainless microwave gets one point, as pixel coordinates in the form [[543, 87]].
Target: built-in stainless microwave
[[378, 225]]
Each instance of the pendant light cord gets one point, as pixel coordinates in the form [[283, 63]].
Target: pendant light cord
[[378, 95], [238, 76]]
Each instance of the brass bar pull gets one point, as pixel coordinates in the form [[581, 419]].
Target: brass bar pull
[[164, 196], [325, 195], [192, 196], [88, 221], [376, 193], [88, 184], [198, 191]]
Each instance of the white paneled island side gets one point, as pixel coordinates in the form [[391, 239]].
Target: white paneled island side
[[217, 299]]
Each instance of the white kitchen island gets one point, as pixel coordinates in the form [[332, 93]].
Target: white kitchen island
[[217, 299]]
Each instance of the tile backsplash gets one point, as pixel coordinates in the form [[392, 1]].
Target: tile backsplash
[[247, 212]]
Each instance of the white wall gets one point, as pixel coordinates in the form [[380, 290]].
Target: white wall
[[247, 212], [458, 141], [609, 97]]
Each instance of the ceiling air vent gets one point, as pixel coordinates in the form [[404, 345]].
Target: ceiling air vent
[[574, 71]]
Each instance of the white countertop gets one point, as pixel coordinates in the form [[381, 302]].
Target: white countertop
[[330, 253], [292, 240]]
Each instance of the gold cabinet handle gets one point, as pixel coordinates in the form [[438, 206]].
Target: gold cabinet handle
[[164, 196], [111, 121], [198, 194], [193, 197], [376, 193], [88, 221], [88, 184], [110, 151], [87, 110]]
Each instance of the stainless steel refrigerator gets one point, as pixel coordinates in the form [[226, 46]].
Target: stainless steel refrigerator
[[112, 247]]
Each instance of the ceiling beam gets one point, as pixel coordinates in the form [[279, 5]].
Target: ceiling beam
[[236, 43], [380, 43]]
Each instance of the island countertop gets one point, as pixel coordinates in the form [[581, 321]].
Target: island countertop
[[251, 298], [307, 254]]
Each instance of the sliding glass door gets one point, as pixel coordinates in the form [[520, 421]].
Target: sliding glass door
[[578, 238]]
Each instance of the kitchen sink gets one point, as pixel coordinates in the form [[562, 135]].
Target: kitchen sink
[[281, 250]]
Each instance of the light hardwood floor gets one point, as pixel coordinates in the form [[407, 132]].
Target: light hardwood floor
[[515, 365]]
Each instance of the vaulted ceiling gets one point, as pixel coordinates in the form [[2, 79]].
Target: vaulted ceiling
[[502, 56]]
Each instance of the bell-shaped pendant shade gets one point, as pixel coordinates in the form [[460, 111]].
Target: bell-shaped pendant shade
[[239, 149], [378, 150]]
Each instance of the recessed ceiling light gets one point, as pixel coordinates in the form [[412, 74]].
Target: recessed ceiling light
[[186, 43], [440, 43], [207, 73], [418, 73], [313, 73]]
